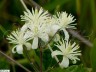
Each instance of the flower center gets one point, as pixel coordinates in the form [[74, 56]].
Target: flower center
[[67, 50]]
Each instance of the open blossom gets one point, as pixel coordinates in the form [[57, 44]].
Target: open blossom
[[63, 21], [36, 22], [68, 51], [38, 31], [52, 26], [35, 17], [19, 39]]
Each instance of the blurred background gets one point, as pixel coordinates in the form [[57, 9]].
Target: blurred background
[[10, 11]]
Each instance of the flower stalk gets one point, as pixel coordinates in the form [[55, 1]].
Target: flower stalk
[[24, 5], [52, 51], [41, 55], [29, 59]]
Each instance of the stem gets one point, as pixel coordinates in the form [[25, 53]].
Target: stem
[[50, 68], [13, 65], [24, 5], [52, 51], [12, 60], [29, 59], [2, 29], [58, 62], [41, 58], [41, 55], [45, 46]]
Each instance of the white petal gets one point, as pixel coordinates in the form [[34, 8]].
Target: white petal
[[53, 30], [28, 45], [56, 52], [57, 38], [35, 43], [19, 49], [24, 27], [28, 35], [73, 44], [74, 61], [66, 34], [44, 37], [65, 62], [13, 49]]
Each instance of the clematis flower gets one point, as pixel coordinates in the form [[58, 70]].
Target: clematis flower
[[19, 39], [68, 51], [63, 21], [52, 26], [35, 17], [38, 31], [36, 22]]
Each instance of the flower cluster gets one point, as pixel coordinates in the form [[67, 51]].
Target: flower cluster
[[39, 24]]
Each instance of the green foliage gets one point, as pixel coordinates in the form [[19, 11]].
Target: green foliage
[[52, 4], [3, 63], [93, 56], [74, 68]]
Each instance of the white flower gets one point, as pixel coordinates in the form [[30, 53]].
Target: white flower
[[53, 29], [38, 31], [36, 23], [52, 26], [19, 38], [68, 51], [63, 21], [35, 17], [56, 38]]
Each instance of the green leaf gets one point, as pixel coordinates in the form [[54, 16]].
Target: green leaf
[[57, 70], [76, 68], [93, 56], [3, 63], [73, 68]]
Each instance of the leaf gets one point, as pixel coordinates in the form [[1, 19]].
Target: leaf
[[57, 70], [93, 56], [76, 68], [73, 68], [3, 63]]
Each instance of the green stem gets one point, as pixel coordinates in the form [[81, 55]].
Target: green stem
[[29, 59], [13, 65], [2, 29], [52, 51], [12, 60], [24, 5], [41, 55]]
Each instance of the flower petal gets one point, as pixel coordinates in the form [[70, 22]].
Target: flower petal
[[66, 34], [35, 43], [14, 49], [44, 37], [65, 62], [24, 27], [19, 49], [53, 30], [57, 38], [28, 45], [28, 35], [74, 61], [56, 52]]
